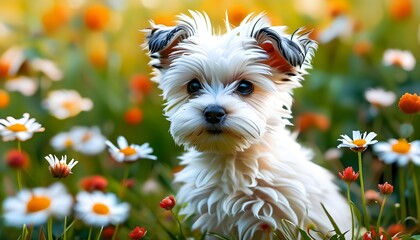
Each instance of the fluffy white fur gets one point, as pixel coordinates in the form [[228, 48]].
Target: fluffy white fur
[[252, 172]]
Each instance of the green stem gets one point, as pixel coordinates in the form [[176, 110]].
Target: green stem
[[23, 232], [351, 211], [401, 174], [65, 228], [50, 235], [125, 176], [100, 233], [362, 189], [19, 171], [90, 233], [416, 191], [181, 234], [19, 178], [114, 235], [378, 223]]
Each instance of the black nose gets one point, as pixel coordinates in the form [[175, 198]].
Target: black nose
[[214, 113]]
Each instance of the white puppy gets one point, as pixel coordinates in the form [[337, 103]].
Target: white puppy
[[228, 99]]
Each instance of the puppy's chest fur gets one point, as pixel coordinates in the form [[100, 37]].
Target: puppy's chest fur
[[262, 185]]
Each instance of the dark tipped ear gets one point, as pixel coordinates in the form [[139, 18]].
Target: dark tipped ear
[[161, 42], [285, 53]]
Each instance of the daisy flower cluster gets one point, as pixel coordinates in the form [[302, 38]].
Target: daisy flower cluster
[[394, 152], [32, 207]]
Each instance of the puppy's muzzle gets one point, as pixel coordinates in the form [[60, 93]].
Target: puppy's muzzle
[[214, 114]]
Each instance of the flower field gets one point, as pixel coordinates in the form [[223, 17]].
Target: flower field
[[86, 152]]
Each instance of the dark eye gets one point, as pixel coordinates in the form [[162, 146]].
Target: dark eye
[[245, 87], [193, 86]]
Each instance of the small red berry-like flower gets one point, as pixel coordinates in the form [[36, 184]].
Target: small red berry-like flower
[[17, 159], [409, 103], [137, 233], [168, 203], [386, 188], [94, 183], [348, 175], [133, 116]]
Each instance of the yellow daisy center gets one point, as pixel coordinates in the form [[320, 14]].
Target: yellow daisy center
[[68, 143], [128, 151], [72, 107], [359, 142], [86, 137], [17, 127], [100, 208], [37, 203], [402, 146]]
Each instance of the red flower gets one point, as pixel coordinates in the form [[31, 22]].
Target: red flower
[[371, 235], [348, 175], [168, 203], [386, 188], [94, 183], [137, 233], [17, 159], [107, 233]]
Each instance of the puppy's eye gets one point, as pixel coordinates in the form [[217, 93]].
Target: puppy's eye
[[245, 87], [193, 86]]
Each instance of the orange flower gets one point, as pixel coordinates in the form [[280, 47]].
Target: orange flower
[[134, 116], [97, 17], [308, 120], [17, 159], [362, 48], [409, 103], [4, 99], [400, 9], [236, 14], [338, 7], [56, 17], [140, 83], [4, 68]]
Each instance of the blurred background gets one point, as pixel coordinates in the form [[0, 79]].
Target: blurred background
[[94, 48]]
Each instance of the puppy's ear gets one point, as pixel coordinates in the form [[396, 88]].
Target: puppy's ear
[[285, 53], [161, 41]]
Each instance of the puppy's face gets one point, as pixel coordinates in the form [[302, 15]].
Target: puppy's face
[[224, 92]]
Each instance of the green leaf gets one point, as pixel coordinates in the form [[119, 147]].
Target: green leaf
[[336, 229]]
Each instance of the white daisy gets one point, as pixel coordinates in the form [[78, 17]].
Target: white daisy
[[380, 98], [396, 57], [62, 141], [25, 85], [60, 168], [100, 209], [21, 129], [129, 153], [66, 103], [359, 143], [399, 151], [35, 206], [87, 140], [47, 67]]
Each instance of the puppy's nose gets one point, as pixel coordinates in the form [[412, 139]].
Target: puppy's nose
[[214, 113]]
